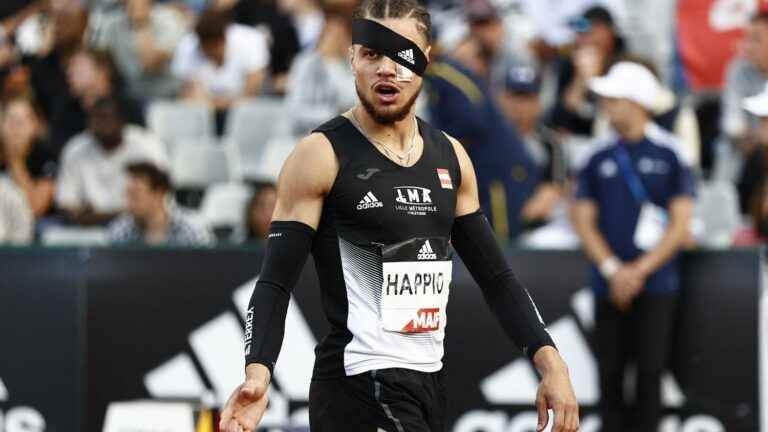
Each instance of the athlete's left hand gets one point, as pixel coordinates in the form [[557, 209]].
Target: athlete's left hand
[[555, 392]]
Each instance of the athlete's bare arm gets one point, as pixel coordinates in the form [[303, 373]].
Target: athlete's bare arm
[[304, 181], [555, 390]]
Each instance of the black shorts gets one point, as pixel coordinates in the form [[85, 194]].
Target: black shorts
[[390, 400]]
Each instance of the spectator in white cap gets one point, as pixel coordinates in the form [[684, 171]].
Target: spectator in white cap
[[646, 90], [636, 83], [756, 165], [658, 101], [633, 211]]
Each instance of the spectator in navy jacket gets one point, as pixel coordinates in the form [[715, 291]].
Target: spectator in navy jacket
[[633, 211]]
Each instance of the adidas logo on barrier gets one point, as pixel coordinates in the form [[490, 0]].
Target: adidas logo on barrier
[[218, 348], [407, 55], [22, 418], [426, 252], [369, 201]]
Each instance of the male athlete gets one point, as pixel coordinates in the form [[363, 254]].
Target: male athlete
[[380, 198]]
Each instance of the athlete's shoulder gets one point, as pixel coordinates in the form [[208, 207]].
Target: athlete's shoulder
[[312, 165], [332, 124], [315, 146]]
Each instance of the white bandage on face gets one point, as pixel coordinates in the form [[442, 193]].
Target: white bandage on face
[[403, 74]]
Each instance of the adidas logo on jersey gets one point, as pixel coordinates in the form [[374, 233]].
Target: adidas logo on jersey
[[369, 201], [426, 252], [407, 55]]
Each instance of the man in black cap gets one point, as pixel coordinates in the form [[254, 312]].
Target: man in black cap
[[486, 32], [521, 104]]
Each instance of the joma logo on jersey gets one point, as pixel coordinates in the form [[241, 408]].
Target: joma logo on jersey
[[414, 200], [426, 320]]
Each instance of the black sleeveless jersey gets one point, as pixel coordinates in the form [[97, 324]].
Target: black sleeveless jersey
[[382, 254]]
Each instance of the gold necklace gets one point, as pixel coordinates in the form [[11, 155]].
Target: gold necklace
[[405, 159]]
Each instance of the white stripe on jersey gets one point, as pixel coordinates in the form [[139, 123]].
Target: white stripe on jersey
[[372, 347]]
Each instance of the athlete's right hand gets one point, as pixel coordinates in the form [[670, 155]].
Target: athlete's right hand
[[248, 402]]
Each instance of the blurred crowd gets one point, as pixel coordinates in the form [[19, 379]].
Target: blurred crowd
[[165, 122]]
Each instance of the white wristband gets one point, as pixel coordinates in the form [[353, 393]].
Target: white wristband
[[609, 266]]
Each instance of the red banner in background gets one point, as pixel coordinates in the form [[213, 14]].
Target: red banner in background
[[709, 34]]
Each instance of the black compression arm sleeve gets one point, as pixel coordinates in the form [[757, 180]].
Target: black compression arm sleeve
[[288, 246], [473, 239]]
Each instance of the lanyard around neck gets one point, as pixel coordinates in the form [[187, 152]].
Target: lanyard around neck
[[627, 170]]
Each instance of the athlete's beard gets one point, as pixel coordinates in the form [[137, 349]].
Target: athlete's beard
[[386, 118]]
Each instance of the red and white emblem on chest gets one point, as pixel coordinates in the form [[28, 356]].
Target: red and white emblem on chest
[[445, 178]]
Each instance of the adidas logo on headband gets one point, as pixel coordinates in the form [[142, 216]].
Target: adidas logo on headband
[[407, 55], [397, 47]]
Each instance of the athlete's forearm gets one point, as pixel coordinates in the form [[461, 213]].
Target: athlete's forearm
[[473, 239], [288, 246]]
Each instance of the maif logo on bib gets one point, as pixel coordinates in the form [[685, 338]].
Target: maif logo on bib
[[426, 320], [414, 200]]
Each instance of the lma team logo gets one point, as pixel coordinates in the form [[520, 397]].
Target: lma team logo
[[414, 200], [517, 384], [19, 419], [218, 347]]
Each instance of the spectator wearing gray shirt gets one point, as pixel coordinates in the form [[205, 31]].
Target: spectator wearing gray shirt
[[319, 85], [150, 218], [746, 76], [142, 39]]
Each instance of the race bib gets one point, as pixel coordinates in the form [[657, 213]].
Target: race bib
[[651, 226], [416, 279]]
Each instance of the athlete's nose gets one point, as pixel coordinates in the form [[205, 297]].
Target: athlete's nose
[[386, 67]]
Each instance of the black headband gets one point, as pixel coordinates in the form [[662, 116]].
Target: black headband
[[400, 49]]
